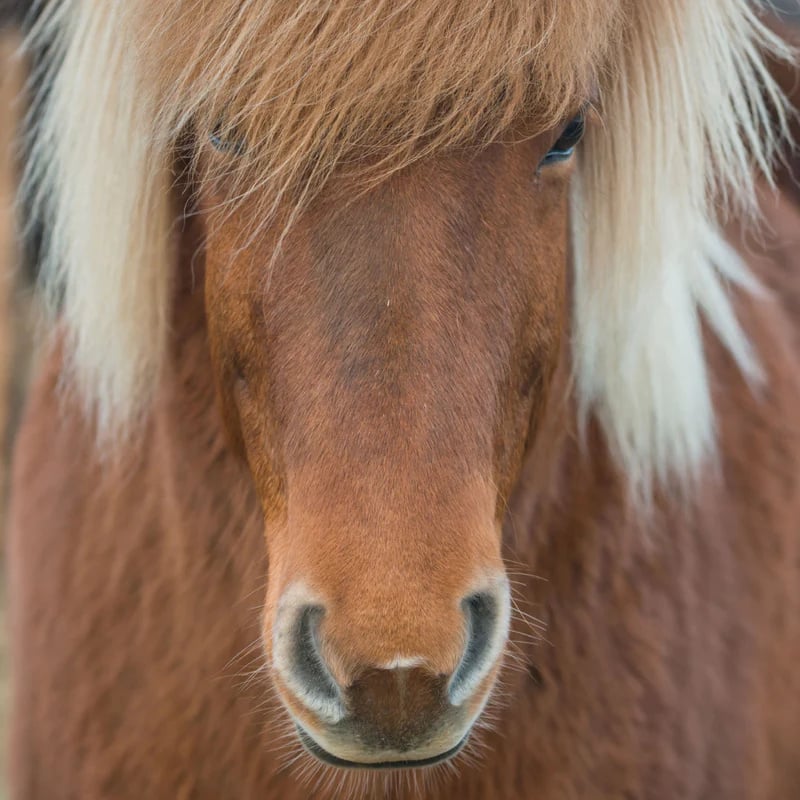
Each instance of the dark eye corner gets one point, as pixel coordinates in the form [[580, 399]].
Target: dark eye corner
[[566, 143], [227, 141]]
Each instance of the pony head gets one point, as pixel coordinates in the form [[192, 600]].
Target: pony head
[[402, 253]]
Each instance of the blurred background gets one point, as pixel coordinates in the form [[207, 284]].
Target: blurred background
[[8, 89], [19, 310], [790, 8]]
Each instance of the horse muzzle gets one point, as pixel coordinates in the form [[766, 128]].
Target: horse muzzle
[[400, 714]]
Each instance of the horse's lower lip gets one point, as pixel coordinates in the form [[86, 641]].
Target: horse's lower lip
[[328, 758]]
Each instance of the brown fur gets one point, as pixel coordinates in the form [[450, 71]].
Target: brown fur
[[669, 664], [399, 383]]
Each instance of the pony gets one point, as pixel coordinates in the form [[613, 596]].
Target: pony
[[419, 416]]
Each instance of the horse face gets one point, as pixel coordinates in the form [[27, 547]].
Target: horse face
[[381, 376]]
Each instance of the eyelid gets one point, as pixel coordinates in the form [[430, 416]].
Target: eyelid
[[227, 141], [568, 140]]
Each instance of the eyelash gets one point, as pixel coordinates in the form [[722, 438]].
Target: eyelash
[[227, 142], [565, 146]]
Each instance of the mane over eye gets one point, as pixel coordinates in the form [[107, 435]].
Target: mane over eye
[[227, 140], [565, 145]]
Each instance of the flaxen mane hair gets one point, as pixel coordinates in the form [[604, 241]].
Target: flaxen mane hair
[[314, 89]]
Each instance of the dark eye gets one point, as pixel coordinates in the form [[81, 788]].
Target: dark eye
[[565, 146], [227, 141]]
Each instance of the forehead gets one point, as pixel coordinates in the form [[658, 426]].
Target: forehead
[[458, 241]]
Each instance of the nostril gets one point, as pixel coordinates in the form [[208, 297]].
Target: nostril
[[487, 625], [310, 677], [481, 613]]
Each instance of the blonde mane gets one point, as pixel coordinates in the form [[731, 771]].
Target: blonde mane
[[366, 88]]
